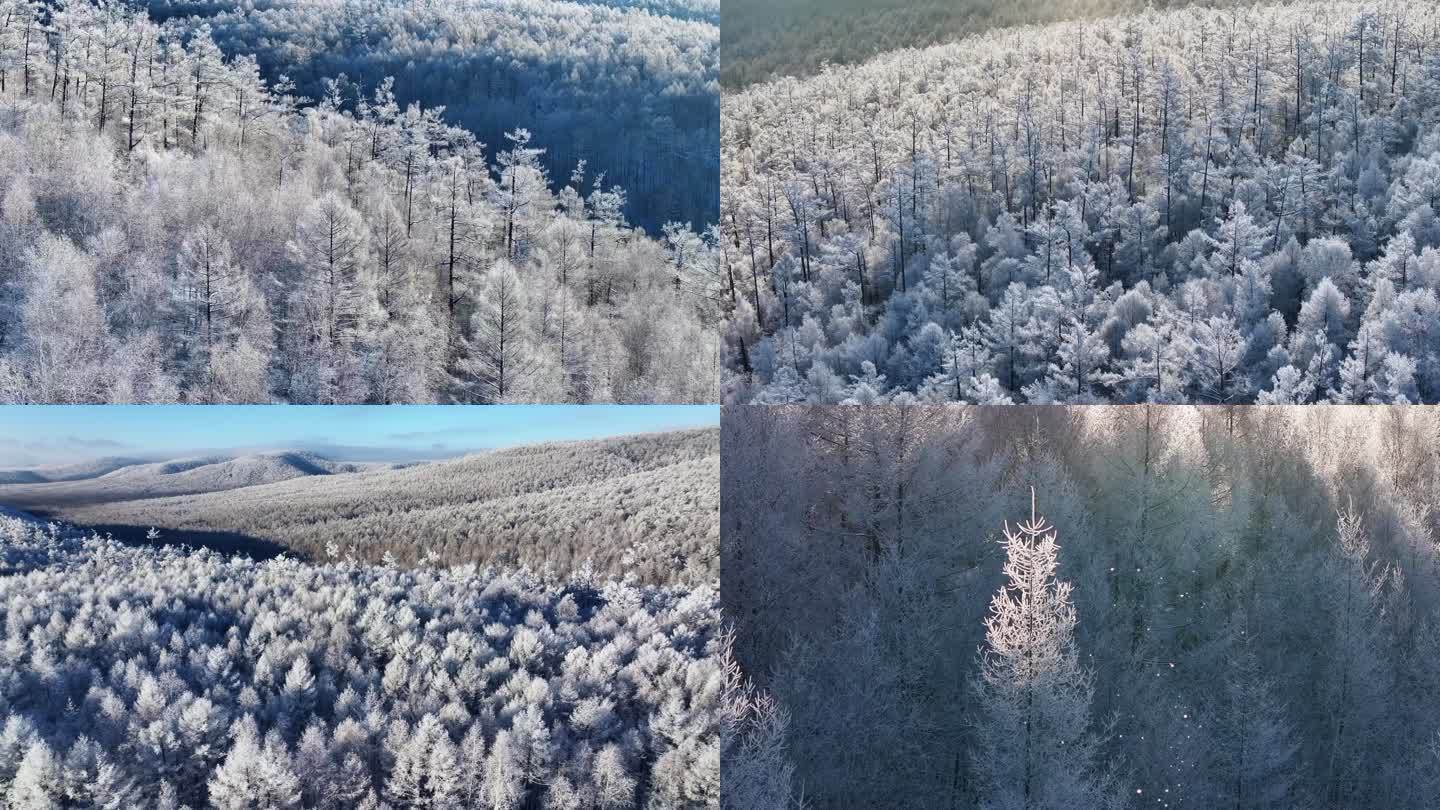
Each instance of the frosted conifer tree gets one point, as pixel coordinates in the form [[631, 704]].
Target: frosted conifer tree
[[253, 776], [1350, 682], [37, 782], [503, 786], [1257, 745], [1035, 749], [753, 726]]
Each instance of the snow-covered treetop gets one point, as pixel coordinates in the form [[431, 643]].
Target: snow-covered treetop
[[1205, 205]]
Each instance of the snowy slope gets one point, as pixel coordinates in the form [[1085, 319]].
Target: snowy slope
[[646, 504], [66, 472], [178, 477]]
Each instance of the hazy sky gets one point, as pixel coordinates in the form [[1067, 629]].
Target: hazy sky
[[57, 434]]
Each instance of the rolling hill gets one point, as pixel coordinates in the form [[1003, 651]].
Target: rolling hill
[[189, 476], [647, 505], [66, 472]]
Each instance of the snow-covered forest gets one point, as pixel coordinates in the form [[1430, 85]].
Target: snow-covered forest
[[1196, 205], [629, 85], [646, 506], [1058, 607], [167, 679], [175, 227]]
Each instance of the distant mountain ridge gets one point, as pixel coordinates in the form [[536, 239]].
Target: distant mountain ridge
[[66, 472], [112, 480]]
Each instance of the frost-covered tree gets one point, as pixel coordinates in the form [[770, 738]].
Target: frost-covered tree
[[254, 774], [753, 747], [228, 682], [1215, 351], [65, 340], [1034, 743], [500, 356], [306, 239], [1258, 743]]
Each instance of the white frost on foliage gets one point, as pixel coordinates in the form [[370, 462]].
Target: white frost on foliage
[[165, 678]]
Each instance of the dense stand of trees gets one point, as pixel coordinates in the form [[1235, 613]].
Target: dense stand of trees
[[646, 506], [1221, 607], [631, 87], [172, 226], [1197, 205], [170, 679]]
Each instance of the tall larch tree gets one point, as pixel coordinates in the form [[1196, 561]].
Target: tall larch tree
[[1035, 745]]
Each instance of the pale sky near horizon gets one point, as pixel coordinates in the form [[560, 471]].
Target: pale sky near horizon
[[58, 434]]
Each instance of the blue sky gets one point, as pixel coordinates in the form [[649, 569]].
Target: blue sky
[[55, 434]]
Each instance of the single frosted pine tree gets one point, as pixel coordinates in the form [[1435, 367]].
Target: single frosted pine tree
[[1035, 749]]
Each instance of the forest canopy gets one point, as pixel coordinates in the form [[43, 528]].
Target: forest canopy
[[173, 226], [630, 86], [172, 679], [1195, 205]]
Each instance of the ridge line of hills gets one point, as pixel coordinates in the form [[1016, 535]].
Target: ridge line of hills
[[643, 504], [126, 478]]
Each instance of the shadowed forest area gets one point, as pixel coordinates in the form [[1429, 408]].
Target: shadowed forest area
[[765, 39]]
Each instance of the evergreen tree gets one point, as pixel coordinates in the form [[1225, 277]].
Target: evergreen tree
[[1035, 748]]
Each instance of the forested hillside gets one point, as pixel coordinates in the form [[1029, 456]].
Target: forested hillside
[[631, 87], [176, 227], [645, 506], [1198, 205], [1123, 607], [165, 679], [765, 39]]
